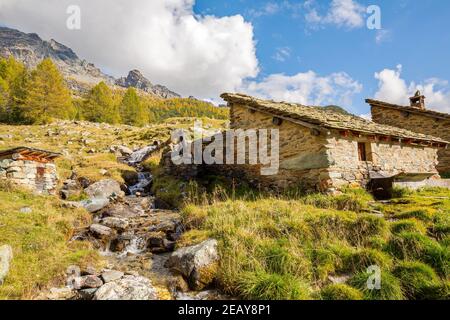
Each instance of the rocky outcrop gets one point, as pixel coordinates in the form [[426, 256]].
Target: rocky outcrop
[[31, 50], [6, 255], [136, 80], [127, 288], [197, 264]]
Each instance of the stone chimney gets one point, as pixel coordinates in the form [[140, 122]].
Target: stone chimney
[[418, 101]]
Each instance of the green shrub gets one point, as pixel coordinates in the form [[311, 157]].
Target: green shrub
[[361, 259], [414, 246], [440, 228], [351, 200], [324, 262], [424, 214], [399, 192], [439, 291], [340, 292], [270, 286], [390, 288], [278, 257], [365, 227], [415, 277], [411, 225]]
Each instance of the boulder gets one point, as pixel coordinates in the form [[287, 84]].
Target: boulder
[[111, 275], [103, 189], [101, 231], [124, 151], [94, 205], [115, 223], [127, 288], [90, 282], [85, 282], [198, 264], [6, 255]]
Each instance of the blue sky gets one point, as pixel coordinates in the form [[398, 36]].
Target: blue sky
[[314, 52], [417, 37]]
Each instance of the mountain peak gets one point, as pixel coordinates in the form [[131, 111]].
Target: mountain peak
[[81, 75], [136, 79]]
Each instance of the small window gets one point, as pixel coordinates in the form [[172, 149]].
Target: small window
[[364, 151]]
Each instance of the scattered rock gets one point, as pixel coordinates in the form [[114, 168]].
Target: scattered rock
[[87, 294], [73, 271], [61, 294], [71, 188], [6, 255], [198, 264], [111, 275], [26, 210], [103, 172], [115, 223], [127, 288], [339, 279], [89, 282], [90, 271]]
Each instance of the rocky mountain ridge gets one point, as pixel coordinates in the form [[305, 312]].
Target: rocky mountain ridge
[[136, 80], [80, 74]]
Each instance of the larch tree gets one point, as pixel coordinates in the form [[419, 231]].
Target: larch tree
[[132, 110], [100, 105], [47, 95]]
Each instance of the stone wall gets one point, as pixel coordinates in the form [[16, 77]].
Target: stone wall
[[388, 158], [40, 177], [303, 157], [418, 123]]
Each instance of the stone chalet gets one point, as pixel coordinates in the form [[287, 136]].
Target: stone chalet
[[325, 150], [417, 118], [30, 168]]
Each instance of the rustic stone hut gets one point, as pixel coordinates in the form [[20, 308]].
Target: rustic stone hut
[[323, 150], [417, 118], [30, 168]]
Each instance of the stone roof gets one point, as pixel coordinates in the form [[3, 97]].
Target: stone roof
[[429, 113], [26, 151], [322, 118]]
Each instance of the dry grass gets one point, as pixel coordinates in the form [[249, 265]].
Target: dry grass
[[40, 242]]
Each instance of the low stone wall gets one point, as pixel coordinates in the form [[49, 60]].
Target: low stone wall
[[429, 183], [39, 177]]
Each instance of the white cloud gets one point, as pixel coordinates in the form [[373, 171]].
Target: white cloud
[[193, 55], [270, 8], [282, 54], [392, 88], [307, 88], [342, 13], [382, 35]]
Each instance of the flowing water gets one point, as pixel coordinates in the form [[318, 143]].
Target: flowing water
[[135, 250], [139, 155], [144, 180]]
